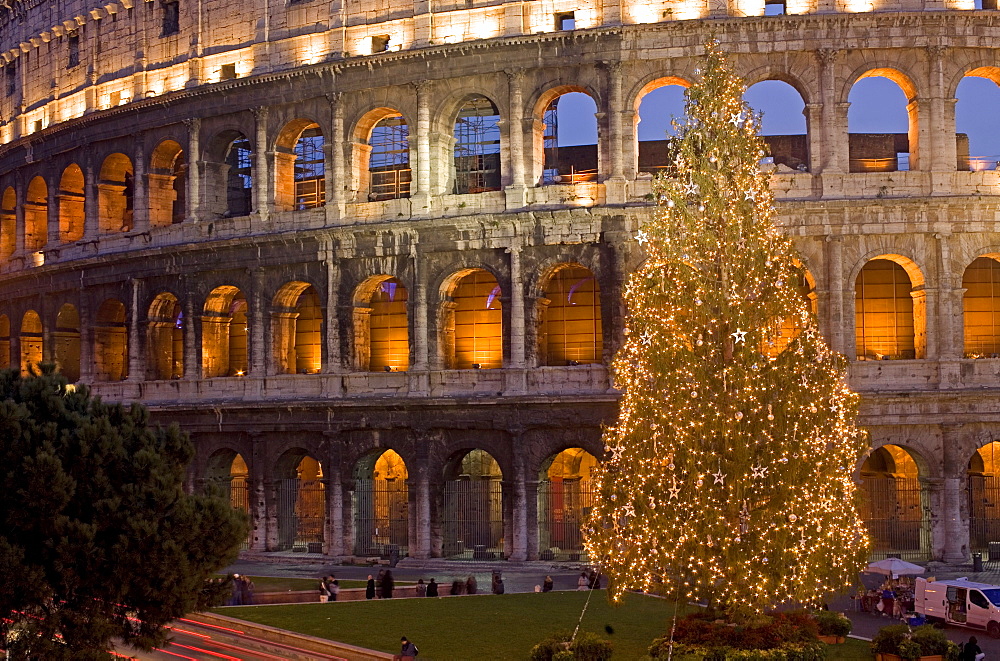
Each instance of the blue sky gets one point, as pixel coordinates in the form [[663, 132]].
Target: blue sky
[[877, 106]]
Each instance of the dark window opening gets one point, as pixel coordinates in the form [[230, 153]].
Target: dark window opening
[[74, 50], [239, 186], [228, 71], [477, 147], [380, 43], [171, 17], [11, 76], [389, 163], [38, 125], [565, 21]]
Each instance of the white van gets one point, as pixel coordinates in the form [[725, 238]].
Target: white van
[[960, 602]]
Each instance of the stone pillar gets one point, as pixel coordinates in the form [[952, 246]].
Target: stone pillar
[[191, 362], [614, 185], [420, 200], [91, 204], [815, 129], [19, 227], [136, 365], [420, 490], [515, 193], [420, 381], [950, 340], [53, 236], [86, 343], [951, 534], [334, 496], [941, 124], [516, 382], [258, 347], [834, 151], [332, 359], [140, 193], [259, 497], [261, 176], [193, 201], [339, 175], [835, 332], [519, 548]]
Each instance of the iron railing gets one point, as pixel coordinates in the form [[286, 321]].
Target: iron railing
[[381, 521], [894, 512], [563, 508], [473, 520], [301, 515]]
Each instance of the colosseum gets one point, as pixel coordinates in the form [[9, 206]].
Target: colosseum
[[340, 244]]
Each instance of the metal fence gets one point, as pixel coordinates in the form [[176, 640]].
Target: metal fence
[[473, 520], [239, 498], [301, 515], [563, 508], [984, 512], [381, 521], [893, 510], [389, 184]]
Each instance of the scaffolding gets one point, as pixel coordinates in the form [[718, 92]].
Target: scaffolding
[[477, 147], [389, 163]]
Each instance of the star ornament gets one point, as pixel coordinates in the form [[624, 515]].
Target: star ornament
[[642, 237], [739, 336], [616, 453], [674, 490], [719, 477], [758, 471]]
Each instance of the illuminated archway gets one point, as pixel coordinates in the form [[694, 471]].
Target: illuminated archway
[[31, 342], [116, 194], [889, 310], [382, 140], [301, 502], [228, 472], [893, 504], [381, 500], [381, 326], [224, 347], [166, 185], [71, 198], [67, 342], [165, 338], [472, 321], [296, 323], [36, 215], [565, 496], [110, 342], [981, 306], [783, 331], [570, 312], [8, 223], [473, 507]]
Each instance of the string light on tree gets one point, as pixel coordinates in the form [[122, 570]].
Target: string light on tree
[[722, 359]]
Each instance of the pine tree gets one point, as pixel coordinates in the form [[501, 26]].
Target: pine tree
[[729, 470], [98, 539]]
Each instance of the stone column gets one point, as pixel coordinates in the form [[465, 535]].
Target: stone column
[[86, 343], [333, 361], [192, 212], [950, 342], [614, 185], [516, 378], [833, 155], [191, 362], [334, 497], [19, 227], [941, 124], [836, 293], [339, 175], [420, 200], [815, 128], [53, 213], [261, 175], [420, 490], [91, 204], [259, 496], [140, 192], [420, 382], [519, 548], [952, 530], [515, 193], [258, 347], [136, 365]]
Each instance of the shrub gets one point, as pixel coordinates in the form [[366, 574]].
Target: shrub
[[548, 648], [832, 624], [586, 647], [789, 652], [922, 641]]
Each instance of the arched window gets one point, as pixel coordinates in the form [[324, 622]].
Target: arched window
[[239, 178], [302, 517], [36, 215], [31, 342], [67, 341], [389, 337], [893, 504], [381, 499], [565, 497], [473, 322], [978, 144], [224, 333], [473, 508], [8, 223], [658, 104], [297, 329], [71, 197], [882, 123], [477, 147], [167, 185], [981, 303], [570, 139], [110, 342], [165, 333], [572, 329], [783, 124], [228, 471], [884, 312], [300, 166], [389, 173], [783, 331], [116, 194]]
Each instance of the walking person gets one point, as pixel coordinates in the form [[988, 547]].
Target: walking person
[[370, 588], [421, 588], [234, 597], [246, 590], [407, 652], [386, 585], [971, 651], [432, 589], [581, 583]]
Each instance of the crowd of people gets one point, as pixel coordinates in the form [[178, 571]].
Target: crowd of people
[[242, 594], [894, 598]]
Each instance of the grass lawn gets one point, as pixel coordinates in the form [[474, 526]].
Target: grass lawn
[[484, 626]]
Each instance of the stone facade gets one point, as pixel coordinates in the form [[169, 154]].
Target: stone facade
[[121, 253]]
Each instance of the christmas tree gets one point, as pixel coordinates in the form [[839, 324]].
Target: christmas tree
[[729, 471]]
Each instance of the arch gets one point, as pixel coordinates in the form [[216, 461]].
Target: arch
[[381, 503], [653, 121], [300, 166], [227, 471], [228, 172], [382, 139], [110, 342], [570, 137], [71, 201], [67, 342], [31, 342], [471, 321], [875, 142], [166, 185], [894, 503], [36, 215], [381, 325], [476, 162], [8, 223], [784, 122], [4, 342], [165, 327], [572, 331], [224, 346], [565, 497], [977, 143], [116, 194], [981, 308], [296, 324], [472, 519], [301, 502], [890, 310], [783, 331]]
